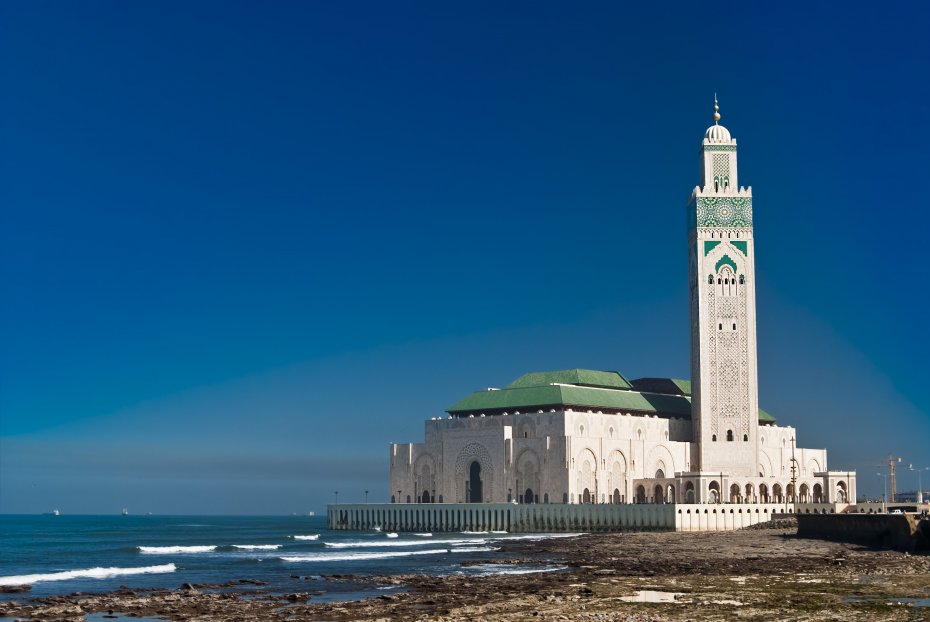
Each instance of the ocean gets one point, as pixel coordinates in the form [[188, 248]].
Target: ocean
[[65, 554]]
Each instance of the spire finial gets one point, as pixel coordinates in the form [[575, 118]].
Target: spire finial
[[716, 110]]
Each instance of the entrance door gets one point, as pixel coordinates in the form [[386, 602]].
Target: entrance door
[[474, 483]]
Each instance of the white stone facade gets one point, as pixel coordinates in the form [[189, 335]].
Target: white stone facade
[[582, 457], [553, 444]]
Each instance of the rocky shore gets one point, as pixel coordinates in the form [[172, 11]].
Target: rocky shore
[[759, 574]]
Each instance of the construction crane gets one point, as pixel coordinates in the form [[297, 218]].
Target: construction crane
[[892, 463]]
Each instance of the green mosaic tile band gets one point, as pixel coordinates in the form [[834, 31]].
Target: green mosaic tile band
[[719, 147], [724, 212]]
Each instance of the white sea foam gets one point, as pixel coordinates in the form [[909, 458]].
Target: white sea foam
[[492, 531], [474, 533], [365, 544], [161, 550], [358, 556], [424, 535], [88, 573], [474, 549], [314, 536], [257, 547], [391, 535], [538, 536], [492, 569]]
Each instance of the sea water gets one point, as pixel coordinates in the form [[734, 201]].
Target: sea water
[[65, 554]]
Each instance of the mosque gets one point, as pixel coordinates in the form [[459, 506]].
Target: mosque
[[580, 436]]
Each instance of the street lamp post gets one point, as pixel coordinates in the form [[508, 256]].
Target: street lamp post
[[366, 496], [794, 478], [920, 487], [336, 494], [884, 489]]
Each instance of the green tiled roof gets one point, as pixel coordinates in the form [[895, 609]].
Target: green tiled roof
[[582, 377], [586, 389], [670, 386], [764, 417], [570, 395]]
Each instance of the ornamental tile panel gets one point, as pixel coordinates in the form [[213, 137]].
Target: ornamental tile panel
[[724, 211]]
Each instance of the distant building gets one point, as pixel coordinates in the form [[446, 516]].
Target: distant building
[[583, 436]]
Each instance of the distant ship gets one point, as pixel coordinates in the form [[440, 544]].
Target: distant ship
[[55, 512], [311, 513], [125, 512]]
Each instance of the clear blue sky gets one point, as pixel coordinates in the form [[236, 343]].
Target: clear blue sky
[[244, 246]]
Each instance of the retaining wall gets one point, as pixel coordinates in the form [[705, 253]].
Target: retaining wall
[[532, 518], [898, 531]]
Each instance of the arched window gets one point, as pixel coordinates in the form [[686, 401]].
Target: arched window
[[729, 435], [745, 437], [710, 279], [714, 437], [742, 279]]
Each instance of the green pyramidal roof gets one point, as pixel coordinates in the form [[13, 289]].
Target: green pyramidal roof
[[586, 389], [669, 386], [580, 377]]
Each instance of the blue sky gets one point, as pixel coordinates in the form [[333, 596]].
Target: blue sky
[[246, 246]]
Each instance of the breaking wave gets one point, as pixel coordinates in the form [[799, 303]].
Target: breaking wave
[[88, 573], [488, 570], [474, 549], [315, 536], [256, 547], [365, 544], [341, 557], [175, 549]]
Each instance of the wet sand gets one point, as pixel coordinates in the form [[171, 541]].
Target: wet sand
[[756, 574]]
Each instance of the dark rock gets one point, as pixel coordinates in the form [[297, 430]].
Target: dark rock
[[252, 582], [300, 597], [15, 589]]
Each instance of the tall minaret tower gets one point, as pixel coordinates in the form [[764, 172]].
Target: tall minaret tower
[[725, 396]]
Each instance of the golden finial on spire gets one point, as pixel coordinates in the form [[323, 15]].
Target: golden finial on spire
[[716, 110]]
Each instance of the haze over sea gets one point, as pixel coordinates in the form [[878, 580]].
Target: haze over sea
[[64, 554]]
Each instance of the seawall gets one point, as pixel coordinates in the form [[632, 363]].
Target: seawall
[[898, 531], [537, 518]]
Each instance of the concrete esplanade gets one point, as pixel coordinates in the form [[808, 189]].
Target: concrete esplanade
[[532, 518]]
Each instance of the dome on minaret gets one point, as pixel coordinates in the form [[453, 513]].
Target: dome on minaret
[[716, 133]]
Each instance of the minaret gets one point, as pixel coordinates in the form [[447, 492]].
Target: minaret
[[725, 396]]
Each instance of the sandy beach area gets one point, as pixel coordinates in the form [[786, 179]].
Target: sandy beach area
[[756, 574]]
